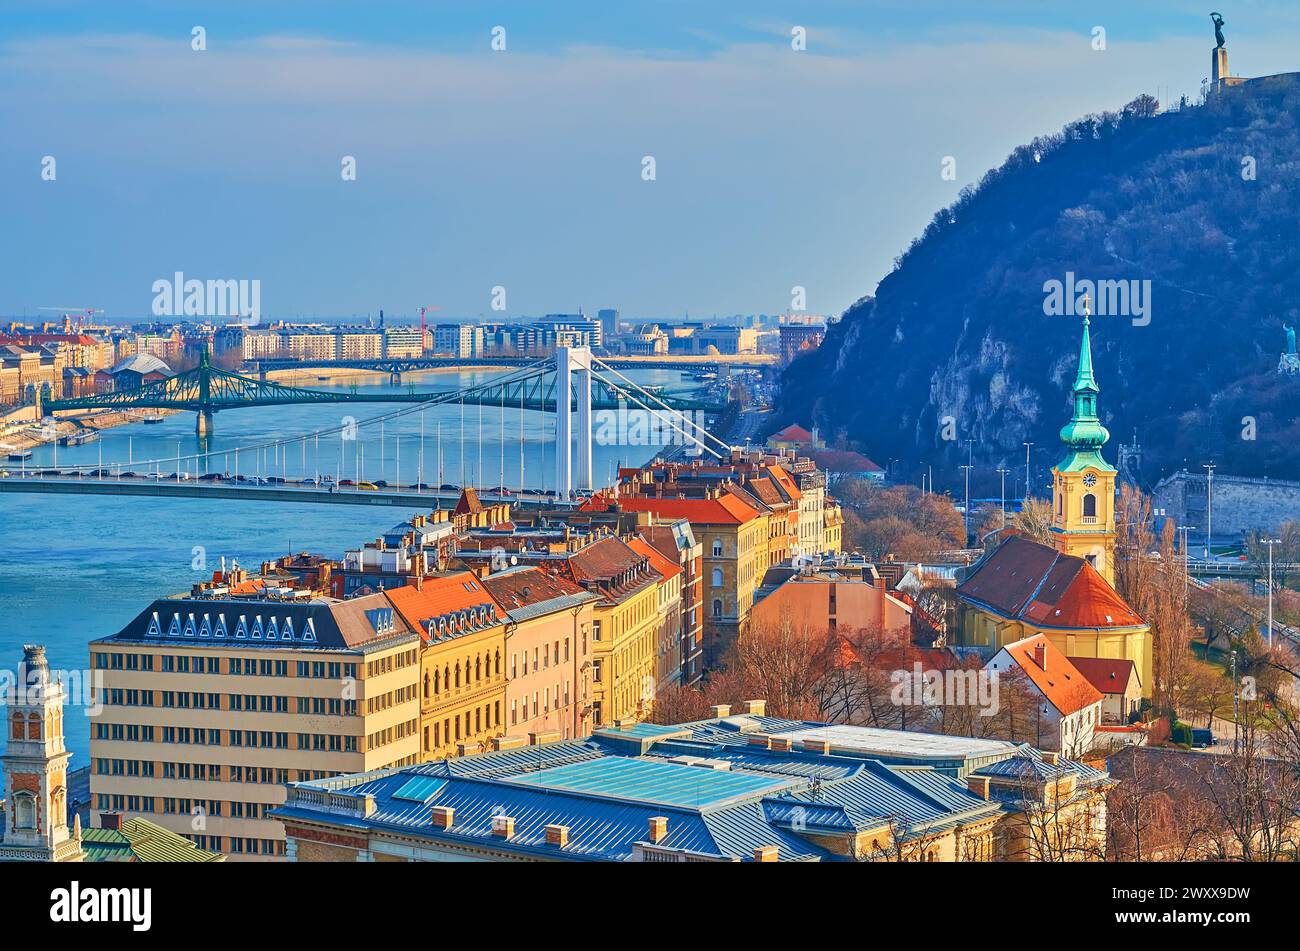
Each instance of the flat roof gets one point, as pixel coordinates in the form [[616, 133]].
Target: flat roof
[[871, 740], [646, 781]]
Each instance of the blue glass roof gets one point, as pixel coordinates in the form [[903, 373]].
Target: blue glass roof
[[641, 780], [420, 789]]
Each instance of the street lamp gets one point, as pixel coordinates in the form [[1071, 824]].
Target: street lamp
[[1270, 542], [1002, 471], [966, 511], [1209, 505], [1028, 446]]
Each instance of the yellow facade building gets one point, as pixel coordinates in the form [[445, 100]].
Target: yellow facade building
[[207, 707], [462, 662]]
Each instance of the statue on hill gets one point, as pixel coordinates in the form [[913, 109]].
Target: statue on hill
[[1218, 29], [1290, 339]]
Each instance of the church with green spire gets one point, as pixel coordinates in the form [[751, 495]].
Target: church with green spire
[[1063, 590], [1083, 483]]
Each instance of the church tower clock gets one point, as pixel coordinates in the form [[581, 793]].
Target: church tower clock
[[1083, 483]]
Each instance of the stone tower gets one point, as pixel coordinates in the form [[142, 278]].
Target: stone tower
[[35, 766], [1083, 483]]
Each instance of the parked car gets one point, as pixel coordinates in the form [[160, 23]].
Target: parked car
[[1202, 738]]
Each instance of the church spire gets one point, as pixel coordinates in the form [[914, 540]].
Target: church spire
[[1084, 433]]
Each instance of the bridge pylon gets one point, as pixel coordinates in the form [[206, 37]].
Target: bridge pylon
[[572, 374]]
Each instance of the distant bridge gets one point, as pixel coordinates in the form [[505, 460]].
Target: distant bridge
[[205, 390], [396, 366]]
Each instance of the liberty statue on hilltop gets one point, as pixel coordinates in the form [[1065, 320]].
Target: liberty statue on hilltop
[[1289, 365], [1218, 29]]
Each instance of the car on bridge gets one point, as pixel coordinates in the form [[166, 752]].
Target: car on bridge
[[367, 487]]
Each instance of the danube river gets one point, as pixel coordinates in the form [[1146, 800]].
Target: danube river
[[75, 568]]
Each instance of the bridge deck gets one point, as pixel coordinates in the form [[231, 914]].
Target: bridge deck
[[190, 489]]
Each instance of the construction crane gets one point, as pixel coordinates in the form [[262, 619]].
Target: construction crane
[[422, 310], [81, 312]]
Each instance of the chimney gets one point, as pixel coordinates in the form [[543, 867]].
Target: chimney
[[766, 853], [557, 835], [110, 820], [979, 785], [817, 746], [759, 739], [719, 711], [442, 816], [1051, 758], [658, 828], [503, 827], [1040, 655], [757, 708]]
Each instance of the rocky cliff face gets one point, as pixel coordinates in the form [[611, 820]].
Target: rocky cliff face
[[1194, 215]]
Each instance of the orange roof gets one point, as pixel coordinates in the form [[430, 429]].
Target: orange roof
[[726, 510], [793, 433], [664, 566], [438, 596], [1026, 579], [1055, 677], [468, 503]]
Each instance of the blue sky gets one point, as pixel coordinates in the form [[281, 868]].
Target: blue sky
[[523, 168]]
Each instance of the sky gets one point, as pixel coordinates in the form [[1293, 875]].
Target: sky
[[525, 169]]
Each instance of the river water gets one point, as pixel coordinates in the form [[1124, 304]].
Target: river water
[[76, 568]]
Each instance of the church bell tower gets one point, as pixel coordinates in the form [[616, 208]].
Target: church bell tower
[[36, 768], [1083, 483]]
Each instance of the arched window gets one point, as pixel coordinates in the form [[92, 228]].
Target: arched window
[[458, 675], [717, 548], [496, 663], [33, 727], [437, 682], [717, 607], [24, 811], [1090, 506], [17, 731], [446, 677], [717, 577], [478, 669], [428, 686]]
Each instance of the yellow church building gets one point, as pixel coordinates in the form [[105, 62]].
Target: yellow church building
[[1065, 590]]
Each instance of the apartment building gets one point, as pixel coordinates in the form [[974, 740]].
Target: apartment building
[[548, 653], [458, 340], [359, 345], [462, 667], [209, 706], [403, 342], [734, 537], [668, 642]]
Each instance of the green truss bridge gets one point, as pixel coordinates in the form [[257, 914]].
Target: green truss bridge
[[207, 390]]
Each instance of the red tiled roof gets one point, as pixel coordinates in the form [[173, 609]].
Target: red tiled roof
[[1059, 681], [468, 503], [793, 433], [725, 510], [658, 561], [522, 587], [1107, 674], [438, 596], [842, 460], [1029, 581]]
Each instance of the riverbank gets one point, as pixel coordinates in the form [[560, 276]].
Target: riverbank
[[18, 431]]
